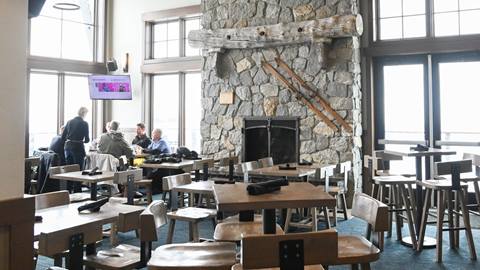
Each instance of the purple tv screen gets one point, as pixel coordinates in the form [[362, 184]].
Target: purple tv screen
[[110, 87]]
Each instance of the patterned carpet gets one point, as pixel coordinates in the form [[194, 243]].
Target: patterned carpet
[[395, 255]]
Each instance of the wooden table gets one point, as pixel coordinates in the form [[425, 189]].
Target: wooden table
[[234, 197], [62, 224], [200, 187], [185, 165], [300, 172], [431, 152], [91, 180]]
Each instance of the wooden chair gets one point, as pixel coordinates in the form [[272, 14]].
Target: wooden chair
[[229, 163], [122, 178], [472, 180], [445, 190], [268, 251], [192, 215], [46, 200], [358, 250], [204, 256], [265, 162], [127, 256], [321, 173], [202, 165], [233, 229]]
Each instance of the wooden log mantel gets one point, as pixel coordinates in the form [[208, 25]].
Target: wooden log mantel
[[319, 30]]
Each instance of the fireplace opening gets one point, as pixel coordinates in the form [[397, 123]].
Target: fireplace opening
[[276, 137]]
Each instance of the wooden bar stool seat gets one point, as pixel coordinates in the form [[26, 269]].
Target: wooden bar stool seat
[[356, 250], [233, 231], [205, 256], [451, 196], [192, 215], [122, 257], [397, 192]]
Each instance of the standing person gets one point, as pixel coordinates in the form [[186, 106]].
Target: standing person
[[57, 145], [75, 135], [141, 139], [158, 145]]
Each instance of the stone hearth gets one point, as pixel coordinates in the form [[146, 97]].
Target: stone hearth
[[259, 94]]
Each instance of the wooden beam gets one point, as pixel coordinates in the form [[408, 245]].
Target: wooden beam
[[313, 94], [270, 69], [319, 30]]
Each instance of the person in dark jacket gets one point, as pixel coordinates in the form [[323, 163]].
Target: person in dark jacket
[[141, 139], [58, 146], [113, 143], [75, 135]]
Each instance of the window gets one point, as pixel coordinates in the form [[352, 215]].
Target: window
[[43, 103], [166, 107], [54, 98], [69, 34], [400, 19], [406, 19], [176, 108], [170, 38], [456, 17]]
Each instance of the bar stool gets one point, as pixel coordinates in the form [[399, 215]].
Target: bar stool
[[472, 180], [400, 201], [444, 189]]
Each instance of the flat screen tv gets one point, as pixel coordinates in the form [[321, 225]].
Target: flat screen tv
[[110, 87]]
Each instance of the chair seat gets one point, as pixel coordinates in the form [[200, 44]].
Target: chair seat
[[79, 197], [192, 214], [307, 267], [214, 256], [119, 257], [233, 231], [440, 184], [393, 179], [356, 250]]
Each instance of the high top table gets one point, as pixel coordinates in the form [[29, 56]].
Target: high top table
[[234, 197], [431, 152], [300, 171]]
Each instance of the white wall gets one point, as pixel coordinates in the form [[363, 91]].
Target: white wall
[[126, 36], [13, 78]]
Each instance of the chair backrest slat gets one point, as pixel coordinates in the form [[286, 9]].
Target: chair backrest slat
[[370, 210], [265, 162], [250, 165], [262, 251], [51, 199], [152, 218], [444, 168], [64, 169], [169, 182]]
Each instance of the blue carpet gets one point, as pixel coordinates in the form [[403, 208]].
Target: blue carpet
[[395, 255]]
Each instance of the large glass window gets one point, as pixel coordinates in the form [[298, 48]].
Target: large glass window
[[43, 101], [456, 17], [77, 95], [166, 107], [170, 37], [69, 34], [402, 19], [193, 110]]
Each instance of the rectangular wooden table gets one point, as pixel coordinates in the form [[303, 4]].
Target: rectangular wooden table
[[300, 172], [234, 197], [431, 152], [61, 224], [91, 180], [185, 165]]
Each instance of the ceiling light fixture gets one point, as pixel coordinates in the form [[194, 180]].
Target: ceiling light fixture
[[66, 6]]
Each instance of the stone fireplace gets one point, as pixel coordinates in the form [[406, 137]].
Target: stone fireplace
[[258, 94]]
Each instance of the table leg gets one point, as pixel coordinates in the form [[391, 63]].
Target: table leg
[[93, 191], [130, 189], [76, 252], [90, 250], [269, 224], [174, 199], [246, 215]]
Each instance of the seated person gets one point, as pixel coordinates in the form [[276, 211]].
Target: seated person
[[113, 143], [58, 146], [158, 145], [141, 139]]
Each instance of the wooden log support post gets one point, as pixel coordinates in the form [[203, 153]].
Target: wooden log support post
[[319, 30]]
